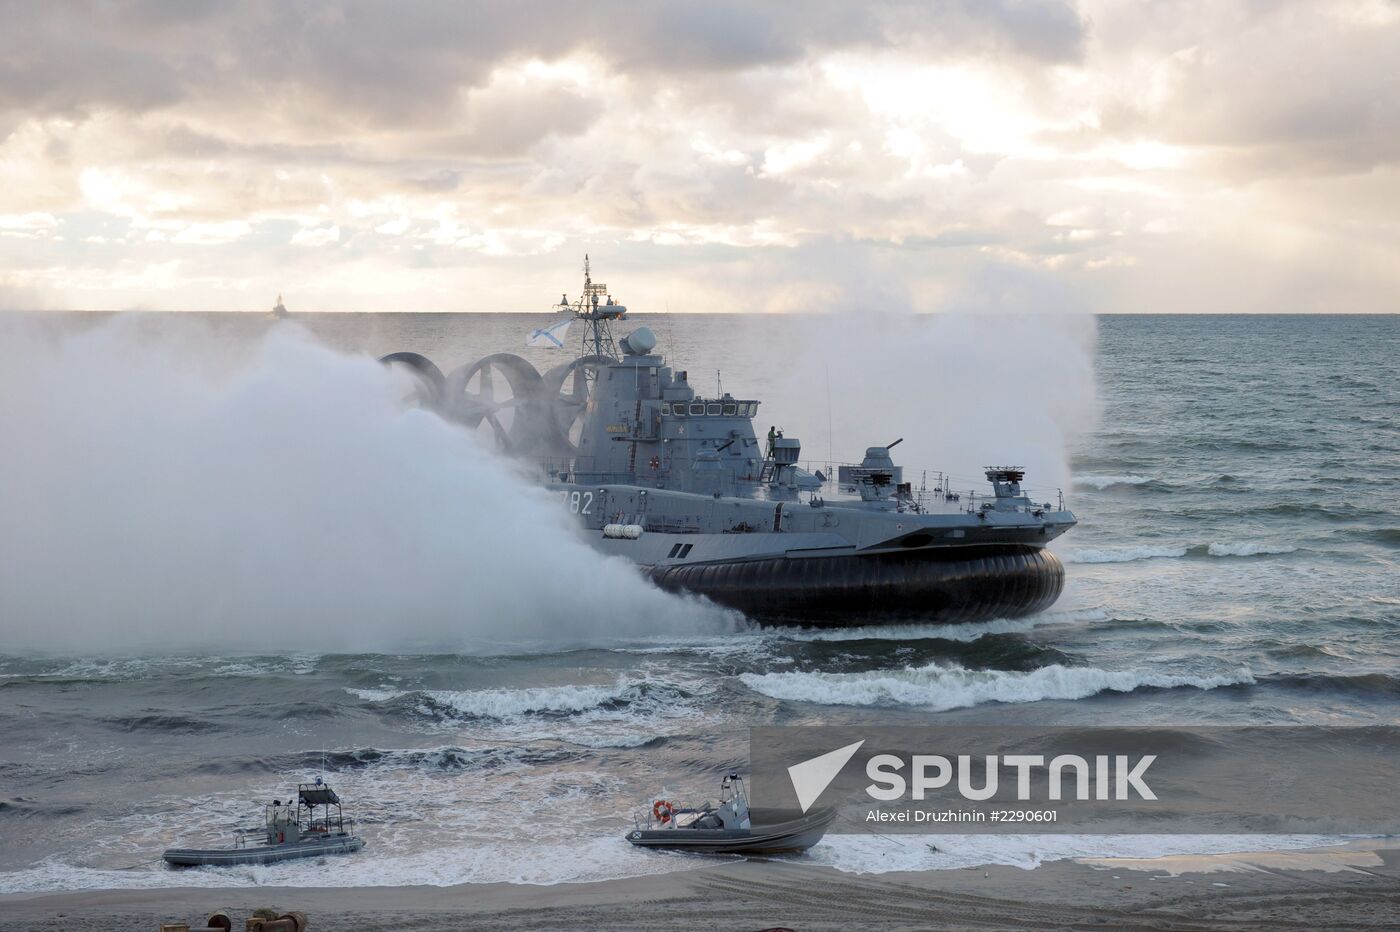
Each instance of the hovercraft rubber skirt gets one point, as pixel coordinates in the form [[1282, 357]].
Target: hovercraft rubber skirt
[[935, 585]]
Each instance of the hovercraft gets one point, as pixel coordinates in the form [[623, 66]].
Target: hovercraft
[[681, 483]]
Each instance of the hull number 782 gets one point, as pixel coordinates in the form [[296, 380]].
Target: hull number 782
[[579, 503]]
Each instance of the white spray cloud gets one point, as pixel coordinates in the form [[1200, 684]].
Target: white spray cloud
[[1001, 374], [165, 488]]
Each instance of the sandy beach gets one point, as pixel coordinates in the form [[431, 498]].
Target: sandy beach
[[1356, 886]]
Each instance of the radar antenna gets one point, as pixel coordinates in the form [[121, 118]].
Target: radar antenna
[[596, 314]]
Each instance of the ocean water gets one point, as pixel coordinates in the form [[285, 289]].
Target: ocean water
[[1237, 561]]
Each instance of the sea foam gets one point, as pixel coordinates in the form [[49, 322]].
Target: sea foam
[[1105, 482], [1123, 555], [514, 703], [1246, 549], [939, 688]]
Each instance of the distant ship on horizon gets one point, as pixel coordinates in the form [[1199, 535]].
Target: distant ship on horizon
[[279, 311]]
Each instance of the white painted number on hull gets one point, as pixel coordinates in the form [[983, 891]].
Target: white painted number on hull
[[579, 503]]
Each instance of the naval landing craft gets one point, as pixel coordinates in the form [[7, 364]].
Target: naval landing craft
[[683, 485]]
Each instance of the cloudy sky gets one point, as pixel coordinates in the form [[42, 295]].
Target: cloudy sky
[[1165, 156]]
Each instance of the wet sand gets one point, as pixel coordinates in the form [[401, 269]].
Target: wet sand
[[1356, 886]]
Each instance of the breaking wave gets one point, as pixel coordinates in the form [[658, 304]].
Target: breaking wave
[[963, 633], [1246, 549], [448, 758], [939, 688], [1124, 555], [1105, 482], [504, 704], [1215, 549]]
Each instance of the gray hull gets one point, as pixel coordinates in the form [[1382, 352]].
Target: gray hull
[[774, 838], [263, 854], [935, 585]]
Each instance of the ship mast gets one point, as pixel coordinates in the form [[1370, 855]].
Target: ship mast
[[597, 315]]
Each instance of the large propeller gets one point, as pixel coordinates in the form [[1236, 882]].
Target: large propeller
[[505, 397], [429, 382], [501, 391], [565, 392]]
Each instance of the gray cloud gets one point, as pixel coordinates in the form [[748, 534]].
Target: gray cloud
[[1149, 155], [398, 64]]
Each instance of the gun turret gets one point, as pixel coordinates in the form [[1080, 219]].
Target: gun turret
[[876, 478]]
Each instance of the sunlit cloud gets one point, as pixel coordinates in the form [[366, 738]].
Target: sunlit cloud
[[1152, 157]]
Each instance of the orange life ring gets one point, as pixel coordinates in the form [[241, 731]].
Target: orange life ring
[[663, 809]]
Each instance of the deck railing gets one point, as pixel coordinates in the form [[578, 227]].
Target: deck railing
[[929, 489]]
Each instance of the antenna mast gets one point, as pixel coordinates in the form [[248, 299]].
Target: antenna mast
[[598, 315]]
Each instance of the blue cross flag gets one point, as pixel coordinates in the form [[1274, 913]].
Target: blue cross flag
[[552, 336]]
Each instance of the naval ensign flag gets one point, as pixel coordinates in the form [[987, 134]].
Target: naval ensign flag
[[551, 336]]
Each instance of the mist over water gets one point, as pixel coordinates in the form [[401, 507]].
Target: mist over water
[[166, 487], [1002, 373]]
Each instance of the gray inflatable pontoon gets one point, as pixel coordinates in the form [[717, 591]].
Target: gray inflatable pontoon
[[292, 830]]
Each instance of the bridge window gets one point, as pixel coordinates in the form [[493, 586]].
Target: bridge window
[[730, 410], [713, 409], [665, 409], [698, 410]]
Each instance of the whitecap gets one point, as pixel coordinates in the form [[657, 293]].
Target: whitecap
[[512, 703], [964, 632], [1246, 549], [1124, 555], [939, 688], [1104, 482]]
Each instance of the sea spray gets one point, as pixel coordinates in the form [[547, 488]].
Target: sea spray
[[1001, 373], [166, 490]]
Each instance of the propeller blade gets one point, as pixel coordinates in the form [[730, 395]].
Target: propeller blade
[[502, 437]]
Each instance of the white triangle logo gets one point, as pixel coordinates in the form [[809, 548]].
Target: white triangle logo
[[811, 777]]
